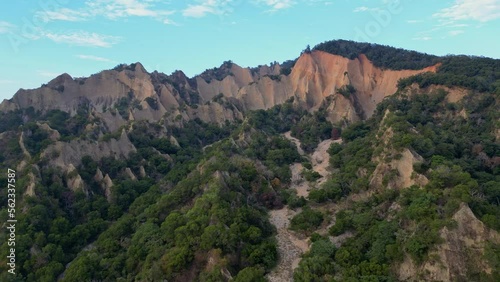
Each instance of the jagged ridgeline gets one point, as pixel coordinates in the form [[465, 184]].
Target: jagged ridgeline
[[353, 162]]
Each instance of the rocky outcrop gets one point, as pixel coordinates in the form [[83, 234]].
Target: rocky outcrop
[[215, 113], [314, 77], [73, 179], [142, 171], [130, 174], [53, 134], [454, 94], [30, 188], [107, 183], [73, 151], [102, 89], [319, 74], [98, 177], [398, 173], [462, 251], [394, 168]]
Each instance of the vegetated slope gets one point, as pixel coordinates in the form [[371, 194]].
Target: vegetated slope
[[144, 176], [188, 200], [426, 231]]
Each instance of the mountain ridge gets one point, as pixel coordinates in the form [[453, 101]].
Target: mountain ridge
[[254, 91], [375, 174]]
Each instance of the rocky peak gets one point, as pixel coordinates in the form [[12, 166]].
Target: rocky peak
[[179, 77], [61, 79], [217, 73], [138, 67]]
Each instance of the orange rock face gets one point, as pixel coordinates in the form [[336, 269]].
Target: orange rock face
[[315, 76]]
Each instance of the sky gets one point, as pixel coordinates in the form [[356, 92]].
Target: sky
[[40, 39]]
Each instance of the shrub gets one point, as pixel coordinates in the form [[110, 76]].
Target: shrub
[[152, 102], [307, 220], [346, 90]]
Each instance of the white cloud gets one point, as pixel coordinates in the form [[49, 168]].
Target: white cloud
[[422, 38], [6, 27], [197, 11], [365, 9], [111, 9], [83, 38], [478, 10], [451, 25], [413, 21], [455, 32], [324, 2], [205, 7], [94, 58], [114, 9], [276, 5], [450, 21], [361, 9], [63, 14]]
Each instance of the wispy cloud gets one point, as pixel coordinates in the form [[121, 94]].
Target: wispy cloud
[[63, 14], [110, 9], [114, 9], [93, 58], [361, 9], [477, 10], [220, 7], [422, 38], [6, 27], [198, 11], [83, 38], [414, 21], [205, 7], [450, 24], [324, 2], [276, 5], [451, 21], [455, 32], [365, 9]]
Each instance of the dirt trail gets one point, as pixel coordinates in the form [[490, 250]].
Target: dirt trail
[[298, 182], [290, 246], [320, 159], [288, 135]]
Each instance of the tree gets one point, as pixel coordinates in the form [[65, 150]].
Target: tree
[[307, 220], [250, 274]]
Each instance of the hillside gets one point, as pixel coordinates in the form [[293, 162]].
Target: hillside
[[352, 162]]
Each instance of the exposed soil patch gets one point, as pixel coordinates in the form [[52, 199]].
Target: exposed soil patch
[[290, 245], [288, 135]]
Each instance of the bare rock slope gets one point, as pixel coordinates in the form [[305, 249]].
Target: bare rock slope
[[315, 76]]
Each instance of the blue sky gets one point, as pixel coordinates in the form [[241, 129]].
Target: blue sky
[[40, 39]]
